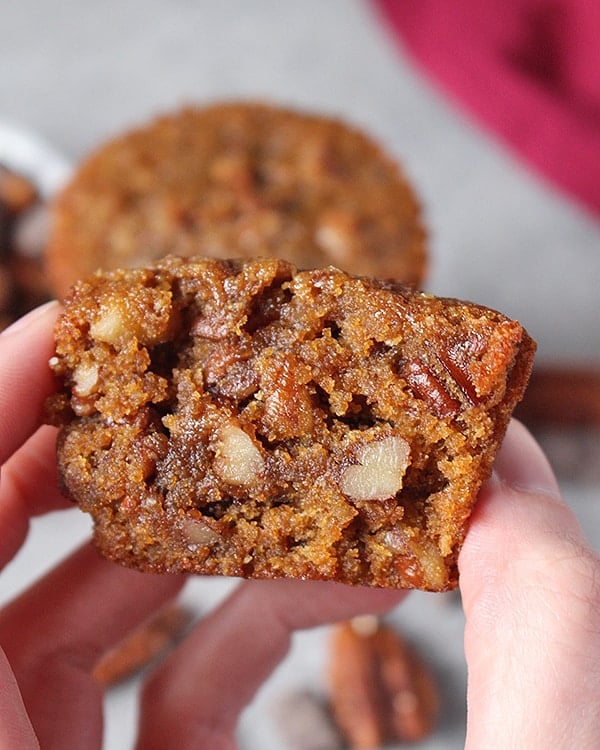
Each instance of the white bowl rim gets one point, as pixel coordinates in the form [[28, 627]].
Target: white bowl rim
[[27, 153]]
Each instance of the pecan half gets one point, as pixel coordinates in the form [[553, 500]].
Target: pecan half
[[381, 691]]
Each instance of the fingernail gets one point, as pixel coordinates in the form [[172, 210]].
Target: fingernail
[[22, 323], [522, 464]]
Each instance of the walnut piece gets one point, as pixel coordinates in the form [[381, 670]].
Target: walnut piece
[[198, 532], [379, 473], [238, 460], [85, 377], [111, 326]]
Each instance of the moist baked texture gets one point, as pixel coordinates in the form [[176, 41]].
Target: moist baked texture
[[244, 418], [239, 179]]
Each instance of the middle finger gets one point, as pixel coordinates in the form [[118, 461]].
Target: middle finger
[[54, 633]]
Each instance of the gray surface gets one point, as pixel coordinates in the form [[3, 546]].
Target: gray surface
[[77, 72]]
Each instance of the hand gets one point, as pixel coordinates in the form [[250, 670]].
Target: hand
[[528, 581], [530, 586]]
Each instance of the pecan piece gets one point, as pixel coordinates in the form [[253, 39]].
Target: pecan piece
[[227, 371], [143, 645], [381, 691], [287, 405], [427, 386], [238, 459], [456, 361]]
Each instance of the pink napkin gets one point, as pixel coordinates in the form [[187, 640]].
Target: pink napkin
[[527, 69]]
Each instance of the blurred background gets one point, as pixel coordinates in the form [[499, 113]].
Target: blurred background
[[502, 231]]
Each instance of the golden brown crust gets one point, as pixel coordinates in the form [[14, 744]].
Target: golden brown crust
[[247, 419], [239, 179]]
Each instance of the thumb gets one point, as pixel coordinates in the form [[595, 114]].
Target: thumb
[[531, 594]]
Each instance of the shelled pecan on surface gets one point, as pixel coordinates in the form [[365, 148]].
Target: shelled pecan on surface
[[381, 689]]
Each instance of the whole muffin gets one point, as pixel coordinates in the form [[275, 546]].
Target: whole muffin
[[245, 418], [239, 179]]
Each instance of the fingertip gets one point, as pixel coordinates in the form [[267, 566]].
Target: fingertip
[[308, 604], [518, 509], [42, 314], [520, 516], [528, 580]]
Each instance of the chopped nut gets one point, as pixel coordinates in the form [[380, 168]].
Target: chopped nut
[[198, 532], [238, 460], [456, 361], [379, 473], [335, 235], [227, 372], [146, 317], [432, 562], [143, 645], [111, 325], [85, 378], [428, 558], [288, 411], [365, 625]]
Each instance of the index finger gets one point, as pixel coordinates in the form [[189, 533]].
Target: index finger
[[25, 377], [196, 695]]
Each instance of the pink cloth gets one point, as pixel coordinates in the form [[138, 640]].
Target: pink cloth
[[527, 69]]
